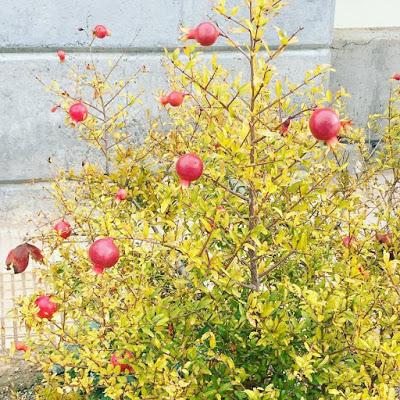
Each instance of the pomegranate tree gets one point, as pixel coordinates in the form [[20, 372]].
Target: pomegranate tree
[[250, 285]]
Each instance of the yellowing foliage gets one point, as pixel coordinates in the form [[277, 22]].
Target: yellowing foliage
[[238, 287]]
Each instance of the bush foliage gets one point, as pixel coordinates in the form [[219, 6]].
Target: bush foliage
[[238, 287]]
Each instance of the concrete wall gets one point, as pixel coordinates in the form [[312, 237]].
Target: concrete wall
[[365, 60], [31, 31], [367, 13]]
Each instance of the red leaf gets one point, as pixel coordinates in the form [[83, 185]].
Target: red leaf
[[345, 124], [9, 259], [35, 253], [285, 127], [18, 258]]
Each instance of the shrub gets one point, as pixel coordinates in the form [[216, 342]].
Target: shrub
[[238, 287]]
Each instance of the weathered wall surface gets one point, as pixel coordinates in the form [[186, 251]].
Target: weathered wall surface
[[365, 59]]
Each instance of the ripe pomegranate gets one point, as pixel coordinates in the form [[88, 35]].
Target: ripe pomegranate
[[175, 99], [348, 241], [189, 167], [384, 238], [61, 55], [325, 125], [205, 34], [63, 229], [78, 112], [103, 253], [121, 361], [47, 307], [396, 77], [121, 195], [20, 346], [100, 31]]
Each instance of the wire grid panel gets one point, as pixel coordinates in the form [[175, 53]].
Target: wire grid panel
[[11, 288]]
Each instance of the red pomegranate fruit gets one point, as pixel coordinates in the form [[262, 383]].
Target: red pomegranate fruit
[[121, 195], [122, 361], [164, 100], [46, 306], [325, 125], [189, 168], [103, 253], [348, 241], [100, 31], [205, 34], [174, 99], [63, 229], [20, 346], [78, 112], [396, 77], [61, 55]]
